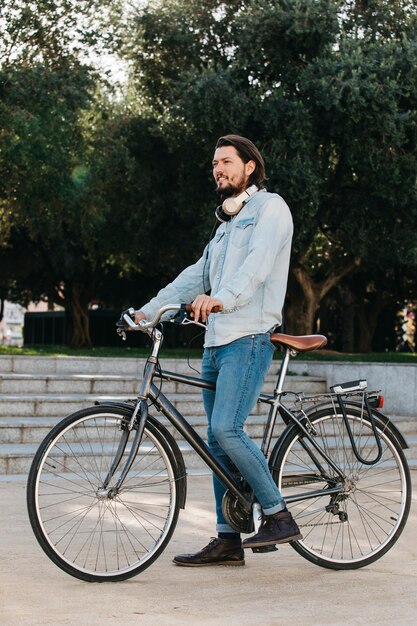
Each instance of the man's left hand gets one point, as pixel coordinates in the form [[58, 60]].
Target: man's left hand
[[203, 306]]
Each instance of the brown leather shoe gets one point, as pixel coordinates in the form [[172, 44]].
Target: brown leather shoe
[[217, 552], [277, 528]]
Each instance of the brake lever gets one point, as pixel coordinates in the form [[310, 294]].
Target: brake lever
[[182, 318], [124, 322], [121, 333], [187, 322]]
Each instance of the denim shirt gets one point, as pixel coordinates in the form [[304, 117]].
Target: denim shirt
[[245, 266]]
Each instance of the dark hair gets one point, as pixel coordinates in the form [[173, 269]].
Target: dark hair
[[247, 152]]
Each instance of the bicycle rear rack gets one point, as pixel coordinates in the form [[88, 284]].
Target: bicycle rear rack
[[353, 390], [360, 388]]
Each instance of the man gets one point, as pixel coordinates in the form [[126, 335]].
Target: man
[[245, 268]]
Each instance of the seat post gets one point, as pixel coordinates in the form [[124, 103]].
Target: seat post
[[283, 370], [272, 416]]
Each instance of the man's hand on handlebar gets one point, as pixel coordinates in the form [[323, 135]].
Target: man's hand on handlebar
[[203, 305], [136, 320], [139, 316]]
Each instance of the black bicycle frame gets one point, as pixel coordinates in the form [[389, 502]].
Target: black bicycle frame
[[196, 442]]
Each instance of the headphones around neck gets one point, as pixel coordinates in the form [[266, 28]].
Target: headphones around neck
[[232, 206]]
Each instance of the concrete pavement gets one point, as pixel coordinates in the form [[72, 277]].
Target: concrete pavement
[[273, 589]]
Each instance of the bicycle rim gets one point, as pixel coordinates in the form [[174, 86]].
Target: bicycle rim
[[86, 533], [362, 523]]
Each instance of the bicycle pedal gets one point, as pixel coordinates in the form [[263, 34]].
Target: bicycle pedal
[[263, 549]]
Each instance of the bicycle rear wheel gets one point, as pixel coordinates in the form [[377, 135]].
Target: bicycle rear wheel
[[358, 526], [89, 532]]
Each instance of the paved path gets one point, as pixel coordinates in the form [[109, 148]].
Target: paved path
[[273, 590]]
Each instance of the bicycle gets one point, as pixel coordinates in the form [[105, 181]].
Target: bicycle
[[107, 483]]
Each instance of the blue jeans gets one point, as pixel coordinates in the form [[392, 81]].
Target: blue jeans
[[238, 369]]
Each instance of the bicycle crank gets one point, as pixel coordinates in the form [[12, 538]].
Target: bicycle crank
[[240, 520]]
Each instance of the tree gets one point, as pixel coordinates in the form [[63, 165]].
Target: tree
[[49, 200], [365, 97], [92, 189], [48, 32], [327, 90], [114, 197], [45, 190]]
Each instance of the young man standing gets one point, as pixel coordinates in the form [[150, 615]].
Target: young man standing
[[245, 268]]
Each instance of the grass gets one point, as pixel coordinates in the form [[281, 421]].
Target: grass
[[371, 357], [102, 352], [195, 353]]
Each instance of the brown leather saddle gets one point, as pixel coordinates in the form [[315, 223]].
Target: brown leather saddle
[[300, 343]]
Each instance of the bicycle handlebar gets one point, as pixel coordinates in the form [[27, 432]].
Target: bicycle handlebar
[[144, 325]]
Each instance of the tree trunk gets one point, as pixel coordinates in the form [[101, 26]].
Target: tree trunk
[[76, 306], [305, 298], [368, 321], [365, 332], [348, 331], [301, 308]]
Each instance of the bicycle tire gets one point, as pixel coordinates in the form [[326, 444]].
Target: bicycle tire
[[362, 524], [90, 536]]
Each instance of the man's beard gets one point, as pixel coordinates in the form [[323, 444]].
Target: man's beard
[[231, 190], [226, 192]]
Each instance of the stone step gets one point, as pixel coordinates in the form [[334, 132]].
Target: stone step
[[61, 405], [397, 380], [32, 430], [96, 365], [35, 393], [53, 404], [17, 458], [114, 384], [72, 365], [71, 384]]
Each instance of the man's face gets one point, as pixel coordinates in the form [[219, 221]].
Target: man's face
[[230, 172]]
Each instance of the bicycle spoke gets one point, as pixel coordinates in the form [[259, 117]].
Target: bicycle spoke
[[357, 524], [96, 532]]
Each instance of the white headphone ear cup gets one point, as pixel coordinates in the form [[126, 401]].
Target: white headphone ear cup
[[231, 206]]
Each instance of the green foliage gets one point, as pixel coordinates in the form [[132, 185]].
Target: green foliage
[[53, 226], [166, 40], [365, 103], [327, 90], [51, 31], [276, 39], [309, 89], [111, 197]]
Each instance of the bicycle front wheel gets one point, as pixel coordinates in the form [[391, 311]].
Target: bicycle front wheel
[[361, 523], [93, 533]]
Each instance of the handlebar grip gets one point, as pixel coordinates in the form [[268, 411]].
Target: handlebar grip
[[188, 308], [126, 321]]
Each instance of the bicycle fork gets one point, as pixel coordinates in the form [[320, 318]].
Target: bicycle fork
[[141, 409]]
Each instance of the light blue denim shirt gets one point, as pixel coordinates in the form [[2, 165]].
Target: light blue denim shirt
[[245, 266]]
